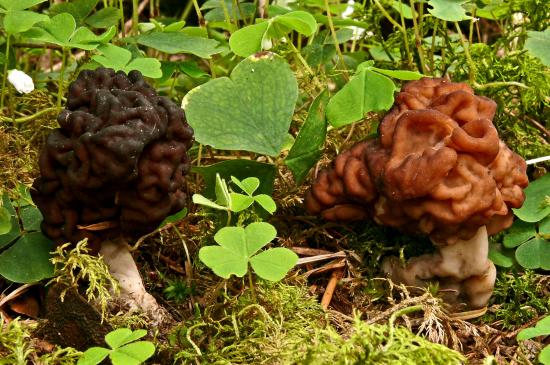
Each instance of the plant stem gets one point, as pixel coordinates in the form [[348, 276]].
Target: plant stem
[[499, 84], [29, 117], [199, 13], [418, 40], [405, 37], [335, 39], [394, 316], [471, 64], [304, 63], [4, 77], [135, 16], [121, 12], [251, 284], [61, 77]]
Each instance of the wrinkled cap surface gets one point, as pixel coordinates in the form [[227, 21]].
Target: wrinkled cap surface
[[438, 168], [117, 163]]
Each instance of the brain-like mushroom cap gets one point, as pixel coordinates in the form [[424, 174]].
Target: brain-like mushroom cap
[[120, 157], [438, 168]]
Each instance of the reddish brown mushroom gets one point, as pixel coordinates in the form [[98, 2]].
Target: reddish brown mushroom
[[437, 168], [116, 165]]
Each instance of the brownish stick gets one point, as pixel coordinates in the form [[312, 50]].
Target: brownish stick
[[331, 286]]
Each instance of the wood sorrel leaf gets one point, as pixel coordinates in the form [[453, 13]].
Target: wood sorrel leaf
[[18, 21], [93, 356], [258, 235], [534, 254], [367, 91], [273, 264], [5, 221], [538, 44], [132, 354], [178, 42], [123, 336], [519, 233], [307, 148], [250, 111], [449, 10], [248, 185], [534, 207], [248, 40]]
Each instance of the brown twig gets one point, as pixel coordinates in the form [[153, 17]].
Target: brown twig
[[331, 286]]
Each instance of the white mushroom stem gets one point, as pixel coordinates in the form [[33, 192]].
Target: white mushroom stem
[[463, 267], [122, 267]]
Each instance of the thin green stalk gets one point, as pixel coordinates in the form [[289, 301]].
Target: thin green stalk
[[29, 117], [60, 87], [304, 63], [432, 52], [199, 13], [469, 60], [405, 37], [388, 16], [186, 10], [4, 77], [335, 39], [135, 16], [251, 284], [418, 40], [226, 13], [394, 316], [121, 14], [499, 84]]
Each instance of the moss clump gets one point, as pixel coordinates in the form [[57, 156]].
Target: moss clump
[[376, 344], [518, 298], [16, 347]]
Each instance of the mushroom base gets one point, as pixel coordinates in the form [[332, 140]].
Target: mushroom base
[[117, 256], [463, 270]]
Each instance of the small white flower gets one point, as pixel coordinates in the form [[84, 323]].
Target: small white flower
[[266, 43], [21, 81], [349, 9]]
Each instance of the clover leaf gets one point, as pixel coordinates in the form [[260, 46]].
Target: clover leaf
[[120, 59], [542, 328], [61, 30], [16, 18], [125, 350], [238, 247], [240, 202], [449, 10]]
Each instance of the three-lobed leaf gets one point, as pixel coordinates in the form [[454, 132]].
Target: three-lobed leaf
[[132, 354], [273, 264], [534, 209], [520, 232], [123, 336], [534, 254], [119, 59]]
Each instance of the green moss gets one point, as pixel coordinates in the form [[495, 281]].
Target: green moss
[[518, 298], [376, 344]]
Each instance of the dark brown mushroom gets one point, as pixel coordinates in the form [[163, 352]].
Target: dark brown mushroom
[[437, 168], [116, 165]]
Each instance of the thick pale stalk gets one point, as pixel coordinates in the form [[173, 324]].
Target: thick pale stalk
[[122, 267], [463, 267]]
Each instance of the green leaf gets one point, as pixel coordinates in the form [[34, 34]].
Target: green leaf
[[542, 328], [544, 226], [104, 18], [308, 147], [201, 200], [118, 59], [519, 233], [223, 262], [449, 10], [248, 185], [79, 9], [266, 202], [240, 202], [538, 44], [300, 21], [544, 356], [18, 21], [122, 336], [173, 218], [5, 221], [534, 209], [500, 259], [31, 218], [133, 353], [93, 356], [19, 4], [259, 122], [399, 74], [258, 235], [241, 169], [274, 264], [15, 231], [367, 91], [175, 26], [222, 192], [534, 254], [192, 69], [148, 66], [248, 40], [402, 9], [177, 42], [28, 259]]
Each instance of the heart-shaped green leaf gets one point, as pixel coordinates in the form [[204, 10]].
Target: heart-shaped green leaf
[[18, 21], [499, 258], [541, 328], [15, 231], [28, 259], [519, 233], [104, 18], [538, 44], [223, 261], [534, 208], [273, 264], [5, 221], [240, 202], [132, 354], [122, 336], [19, 4], [258, 235], [367, 91], [300, 21], [79, 9], [248, 40], [118, 59], [266, 90], [248, 185], [544, 226], [31, 217], [266, 202], [534, 254], [93, 356], [201, 200], [307, 148], [449, 10], [177, 42]]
